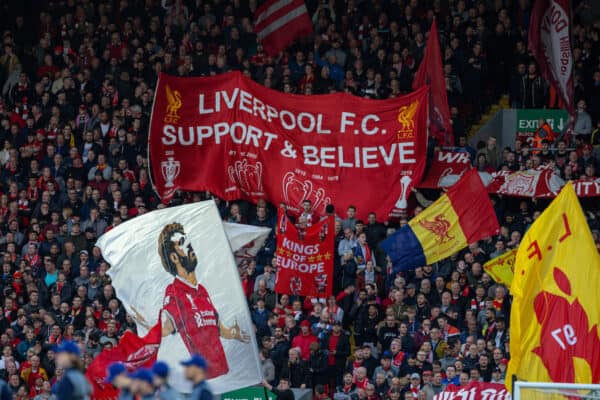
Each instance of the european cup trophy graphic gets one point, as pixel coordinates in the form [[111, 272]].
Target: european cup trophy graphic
[[170, 170], [402, 203]]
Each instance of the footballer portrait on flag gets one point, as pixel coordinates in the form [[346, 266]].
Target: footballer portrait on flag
[[188, 311], [175, 273]]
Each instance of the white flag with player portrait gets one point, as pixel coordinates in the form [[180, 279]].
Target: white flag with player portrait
[[176, 267]]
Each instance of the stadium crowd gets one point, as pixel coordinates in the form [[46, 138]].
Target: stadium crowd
[[76, 81]]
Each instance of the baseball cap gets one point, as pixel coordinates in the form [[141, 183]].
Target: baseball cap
[[114, 370], [196, 361], [504, 361], [415, 376], [67, 346], [142, 374], [305, 323], [160, 369], [387, 354]]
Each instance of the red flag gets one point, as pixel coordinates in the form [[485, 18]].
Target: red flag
[[550, 42], [304, 258], [133, 351], [431, 72], [280, 22]]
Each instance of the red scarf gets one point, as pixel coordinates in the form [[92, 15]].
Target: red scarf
[[32, 260], [414, 391], [398, 358], [498, 304]]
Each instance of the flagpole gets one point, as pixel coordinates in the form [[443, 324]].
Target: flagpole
[[513, 379]]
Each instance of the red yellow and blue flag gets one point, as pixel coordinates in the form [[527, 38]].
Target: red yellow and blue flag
[[461, 216]]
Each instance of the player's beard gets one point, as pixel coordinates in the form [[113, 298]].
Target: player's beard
[[189, 262]]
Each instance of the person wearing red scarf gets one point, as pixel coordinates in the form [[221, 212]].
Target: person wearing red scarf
[[397, 354], [360, 378], [415, 385], [347, 387], [282, 309], [335, 312]]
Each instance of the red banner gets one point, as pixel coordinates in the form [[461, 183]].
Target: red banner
[[587, 188], [304, 258], [237, 139], [550, 43], [446, 169], [535, 183], [431, 72], [474, 391]]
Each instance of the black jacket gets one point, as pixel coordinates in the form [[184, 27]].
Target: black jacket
[[317, 364], [342, 349], [297, 373]]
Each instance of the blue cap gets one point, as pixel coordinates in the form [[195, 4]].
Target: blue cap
[[196, 361], [67, 346], [160, 369], [142, 374], [387, 354], [114, 370]]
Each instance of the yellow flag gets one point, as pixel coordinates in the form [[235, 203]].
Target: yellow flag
[[501, 268], [555, 311]]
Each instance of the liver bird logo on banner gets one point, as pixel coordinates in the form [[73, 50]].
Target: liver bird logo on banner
[[406, 117], [439, 226], [175, 103]]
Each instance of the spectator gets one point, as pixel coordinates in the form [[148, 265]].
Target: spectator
[[296, 371], [583, 123]]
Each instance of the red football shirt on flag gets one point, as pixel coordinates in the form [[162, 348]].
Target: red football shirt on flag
[[195, 318]]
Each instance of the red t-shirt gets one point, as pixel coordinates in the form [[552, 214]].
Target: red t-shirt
[[195, 318]]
